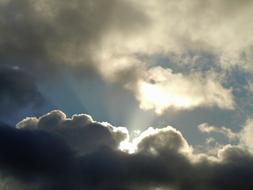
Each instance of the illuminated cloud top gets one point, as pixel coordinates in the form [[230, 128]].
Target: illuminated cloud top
[[56, 152]]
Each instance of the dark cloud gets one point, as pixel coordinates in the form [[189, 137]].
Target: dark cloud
[[41, 153], [18, 91], [43, 33], [80, 132], [32, 155]]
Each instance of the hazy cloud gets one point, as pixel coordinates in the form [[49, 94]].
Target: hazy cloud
[[56, 31], [246, 134], [206, 128], [18, 91], [112, 37]]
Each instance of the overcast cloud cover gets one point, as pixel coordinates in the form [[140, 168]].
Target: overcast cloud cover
[[169, 56]]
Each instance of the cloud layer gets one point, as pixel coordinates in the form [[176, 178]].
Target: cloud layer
[[56, 152], [113, 38]]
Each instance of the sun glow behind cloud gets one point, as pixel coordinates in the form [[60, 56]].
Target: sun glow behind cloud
[[162, 89], [159, 98], [135, 144]]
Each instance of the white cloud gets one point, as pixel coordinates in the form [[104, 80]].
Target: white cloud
[[227, 132], [246, 134], [162, 89]]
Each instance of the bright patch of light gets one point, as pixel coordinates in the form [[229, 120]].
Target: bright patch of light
[[127, 146], [159, 98], [131, 146]]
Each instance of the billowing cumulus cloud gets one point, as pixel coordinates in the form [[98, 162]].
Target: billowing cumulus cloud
[[57, 152], [80, 131]]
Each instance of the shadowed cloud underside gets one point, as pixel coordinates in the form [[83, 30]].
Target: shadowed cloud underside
[[57, 152]]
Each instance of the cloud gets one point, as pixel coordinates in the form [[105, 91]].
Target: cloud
[[163, 89], [175, 28], [30, 155], [206, 128], [41, 153], [12, 183], [55, 32], [210, 25], [80, 131], [112, 38], [246, 133], [18, 91]]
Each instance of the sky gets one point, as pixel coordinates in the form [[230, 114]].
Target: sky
[[126, 95]]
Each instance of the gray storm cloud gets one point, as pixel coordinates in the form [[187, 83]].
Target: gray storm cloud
[[57, 152]]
